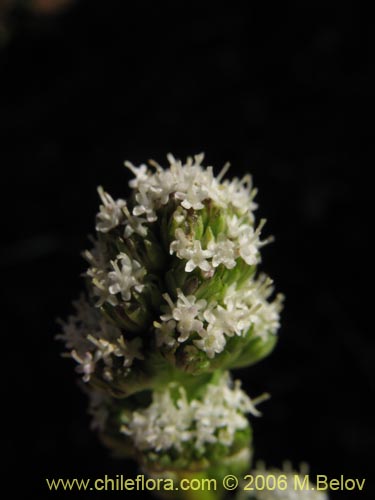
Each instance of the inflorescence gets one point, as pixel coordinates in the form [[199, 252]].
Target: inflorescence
[[173, 301]]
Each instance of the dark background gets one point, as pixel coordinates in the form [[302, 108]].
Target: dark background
[[279, 90]]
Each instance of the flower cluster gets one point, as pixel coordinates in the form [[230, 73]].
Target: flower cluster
[[174, 269], [190, 185], [174, 300], [171, 421], [113, 279], [91, 340], [238, 311]]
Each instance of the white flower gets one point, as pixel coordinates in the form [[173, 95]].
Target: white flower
[[165, 333], [213, 342], [145, 205], [249, 245], [86, 364], [98, 272], [180, 244], [235, 226], [76, 329], [268, 319], [179, 216], [258, 311], [91, 339], [123, 275], [196, 257], [134, 224], [193, 191], [223, 409], [192, 182], [248, 251], [240, 194], [105, 349], [221, 323], [110, 214], [249, 306], [223, 252], [126, 276], [141, 174], [117, 347], [185, 313], [163, 187]]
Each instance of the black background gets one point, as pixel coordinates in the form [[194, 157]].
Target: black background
[[280, 90]]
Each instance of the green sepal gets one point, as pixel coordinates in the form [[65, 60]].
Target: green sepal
[[155, 257], [255, 350], [193, 361], [198, 228], [211, 289], [207, 237], [117, 315], [176, 277], [218, 223]]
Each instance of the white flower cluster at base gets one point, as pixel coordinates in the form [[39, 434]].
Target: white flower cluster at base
[[172, 420]]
